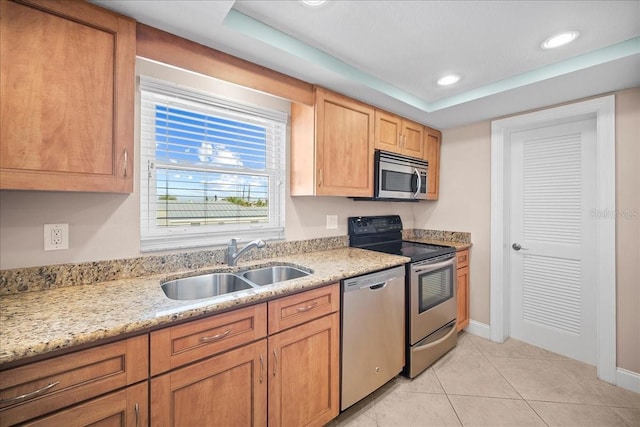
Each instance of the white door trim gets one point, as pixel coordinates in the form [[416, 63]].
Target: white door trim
[[603, 109]]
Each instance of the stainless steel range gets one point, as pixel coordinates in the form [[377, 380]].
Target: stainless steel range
[[431, 306]]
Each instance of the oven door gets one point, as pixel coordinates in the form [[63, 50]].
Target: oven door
[[432, 297]]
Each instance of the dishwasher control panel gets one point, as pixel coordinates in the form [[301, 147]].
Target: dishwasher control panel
[[373, 279]]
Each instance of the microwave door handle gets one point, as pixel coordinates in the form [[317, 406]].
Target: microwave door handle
[[419, 183]]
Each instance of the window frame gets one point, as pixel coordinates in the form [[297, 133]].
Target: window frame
[[156, 238]]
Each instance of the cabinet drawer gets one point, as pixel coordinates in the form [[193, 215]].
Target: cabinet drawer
[[127, 407], [36, 389], [463, 258], [178, 345], [290, 311]]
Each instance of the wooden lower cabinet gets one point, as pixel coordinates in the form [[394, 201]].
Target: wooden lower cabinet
[[42, 388], [128, 407], [290, 378], [463, 289], [304, 374], [225, 390]]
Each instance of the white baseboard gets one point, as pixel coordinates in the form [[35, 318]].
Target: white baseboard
[[480, 329], [628, 380]]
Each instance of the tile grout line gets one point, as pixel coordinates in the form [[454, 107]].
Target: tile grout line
[[435, 374], [513, 386]]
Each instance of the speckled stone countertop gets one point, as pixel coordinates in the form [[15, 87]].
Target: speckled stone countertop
[[36, 323], [457, 239]]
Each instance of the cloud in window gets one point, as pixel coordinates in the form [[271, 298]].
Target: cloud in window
[[218, 153]]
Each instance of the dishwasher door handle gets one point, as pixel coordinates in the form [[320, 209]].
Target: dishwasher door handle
[[378, 286]]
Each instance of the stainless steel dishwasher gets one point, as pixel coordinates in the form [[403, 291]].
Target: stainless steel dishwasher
[[373, 332]]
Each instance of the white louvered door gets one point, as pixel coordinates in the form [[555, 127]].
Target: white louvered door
[[552, 275]]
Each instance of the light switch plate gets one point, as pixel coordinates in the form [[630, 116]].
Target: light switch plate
[[332, 222]]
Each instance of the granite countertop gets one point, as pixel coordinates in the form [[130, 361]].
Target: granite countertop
[[36, 323]]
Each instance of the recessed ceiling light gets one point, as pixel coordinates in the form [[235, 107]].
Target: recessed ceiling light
[[560, 39], [448, 80], [313, 3]]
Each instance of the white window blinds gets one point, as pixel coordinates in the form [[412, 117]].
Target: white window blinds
[[211, 169]]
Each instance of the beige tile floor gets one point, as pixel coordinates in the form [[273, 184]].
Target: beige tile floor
[[481, 383]]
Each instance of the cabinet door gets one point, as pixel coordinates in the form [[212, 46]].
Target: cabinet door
[[463, 298], [66, 110], [124, 408], [432, 155], [344, 146], [412, 139], [225, 390], [388, 132], [304, 374]]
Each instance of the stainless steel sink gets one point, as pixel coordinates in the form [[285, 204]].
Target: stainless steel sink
[[273, 274], [205, 286], [216, 284]]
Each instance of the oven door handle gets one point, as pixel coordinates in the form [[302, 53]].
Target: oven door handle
[[417, 268], [438, 341]]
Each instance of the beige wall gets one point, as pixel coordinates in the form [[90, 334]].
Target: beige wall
[[464, 203], [628, 227]]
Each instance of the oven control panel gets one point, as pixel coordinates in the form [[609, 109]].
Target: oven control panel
[[374, 224]]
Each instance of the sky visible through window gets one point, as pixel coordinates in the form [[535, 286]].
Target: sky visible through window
[[193, 151]]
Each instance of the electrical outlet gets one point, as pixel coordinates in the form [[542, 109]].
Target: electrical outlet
[[56, 237], [332, 222]]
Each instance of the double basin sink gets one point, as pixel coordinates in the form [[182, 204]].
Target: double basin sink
[[216, 284]]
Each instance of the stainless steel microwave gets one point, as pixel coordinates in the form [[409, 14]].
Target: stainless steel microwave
[[399, 177]]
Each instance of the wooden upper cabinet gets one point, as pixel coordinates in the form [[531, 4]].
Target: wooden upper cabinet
[[332, 147], [67, 74], [398, 135], [433, 139]]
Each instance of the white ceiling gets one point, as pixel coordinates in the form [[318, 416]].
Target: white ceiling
[[390, 53]]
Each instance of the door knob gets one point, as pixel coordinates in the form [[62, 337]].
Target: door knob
[[517, 247]]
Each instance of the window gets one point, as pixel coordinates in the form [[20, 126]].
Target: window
[[211, 169]]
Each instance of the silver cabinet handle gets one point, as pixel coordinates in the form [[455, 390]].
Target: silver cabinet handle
[[216, 337], [29, 395], [307, 308], [275, 362], [517, 247], [137, 408], [261, 368], [126, 163]]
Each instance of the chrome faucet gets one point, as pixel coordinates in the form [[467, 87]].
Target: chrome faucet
[[232, 256]]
